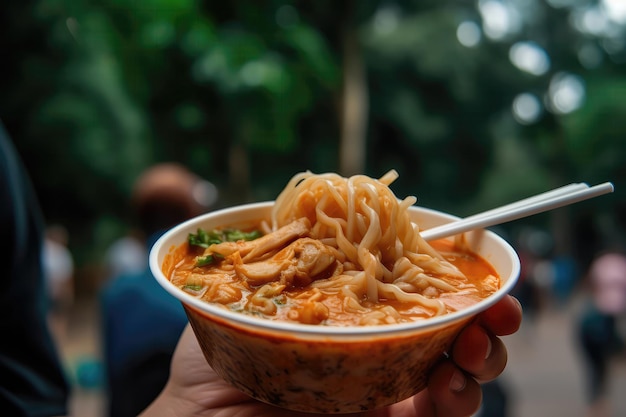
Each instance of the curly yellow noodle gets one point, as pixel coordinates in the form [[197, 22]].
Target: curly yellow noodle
[[384, 255]]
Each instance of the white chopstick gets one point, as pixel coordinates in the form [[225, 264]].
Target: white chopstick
[[550, 200], [557, 192]]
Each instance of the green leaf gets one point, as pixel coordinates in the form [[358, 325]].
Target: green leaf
[[234, 235], [208, 259], [193, 287], [204, 239]]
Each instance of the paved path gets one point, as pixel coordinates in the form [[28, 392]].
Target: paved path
[[545, 374]]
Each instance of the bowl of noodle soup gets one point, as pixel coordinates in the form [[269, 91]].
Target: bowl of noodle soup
[[327, 300]]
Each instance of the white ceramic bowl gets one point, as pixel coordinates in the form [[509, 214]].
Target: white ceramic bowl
[[324, 369]]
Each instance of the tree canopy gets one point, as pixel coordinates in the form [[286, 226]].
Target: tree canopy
[[475, 104]]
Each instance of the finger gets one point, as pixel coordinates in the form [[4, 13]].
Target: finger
[[504, 317], [479, 353], [451, 393]]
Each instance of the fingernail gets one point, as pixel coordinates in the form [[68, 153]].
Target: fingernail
[[458, 381], [489, 347]]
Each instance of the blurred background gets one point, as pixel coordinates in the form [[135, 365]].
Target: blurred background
[[475, 104]]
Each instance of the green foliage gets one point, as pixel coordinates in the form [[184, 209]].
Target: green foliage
[[595, 140], [98, 90]]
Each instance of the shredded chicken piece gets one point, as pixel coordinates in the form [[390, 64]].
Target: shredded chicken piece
[[299, 263], [267, 244]]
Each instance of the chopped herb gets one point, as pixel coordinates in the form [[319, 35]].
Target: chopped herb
[[205, 239], [233, 235], [279, 301], [193, 287], [208, 259]]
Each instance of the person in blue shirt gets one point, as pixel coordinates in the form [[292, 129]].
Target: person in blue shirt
[[141, 322]]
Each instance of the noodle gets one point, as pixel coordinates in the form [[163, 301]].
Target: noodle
[[371, 226], [337, 246]]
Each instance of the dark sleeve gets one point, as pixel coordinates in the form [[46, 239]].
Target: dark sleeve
[[32, 382]]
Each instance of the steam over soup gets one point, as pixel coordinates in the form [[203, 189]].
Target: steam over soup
[[336, 251]]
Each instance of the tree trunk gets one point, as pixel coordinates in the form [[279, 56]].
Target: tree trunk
[[238, 191], [354, 101]]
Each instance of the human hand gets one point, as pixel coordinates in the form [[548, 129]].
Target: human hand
[[478, 355]]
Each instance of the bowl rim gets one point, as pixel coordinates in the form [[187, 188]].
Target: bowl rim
[[321, 330]]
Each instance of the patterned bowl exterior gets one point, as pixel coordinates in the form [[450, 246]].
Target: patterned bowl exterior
[[321, 375]]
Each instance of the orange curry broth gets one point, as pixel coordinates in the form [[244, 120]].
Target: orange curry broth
[[181, 259]]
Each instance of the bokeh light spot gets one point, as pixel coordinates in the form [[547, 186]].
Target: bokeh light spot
[[526, 108], [566, 93], [469, 34], [529, 57]]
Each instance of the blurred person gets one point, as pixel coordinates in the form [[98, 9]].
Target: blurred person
[[496, 399], [598, 336], [32, 381], [58, 265], [532, 246], [565, 278], [141, 321], [126, 255]]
